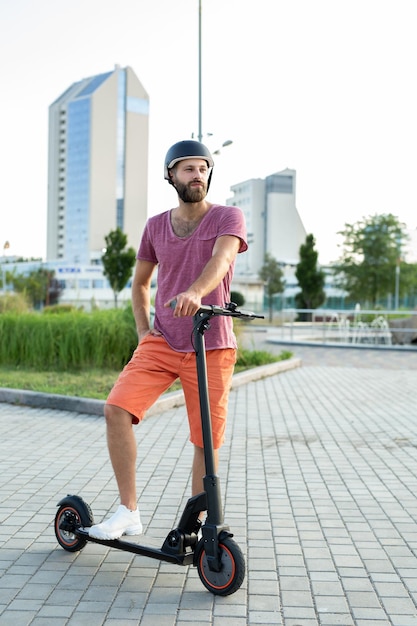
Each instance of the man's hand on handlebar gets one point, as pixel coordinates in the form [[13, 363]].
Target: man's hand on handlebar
[[230, 310], [184, 304]]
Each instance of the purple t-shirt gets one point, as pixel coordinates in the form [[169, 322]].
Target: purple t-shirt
[[180, 262]]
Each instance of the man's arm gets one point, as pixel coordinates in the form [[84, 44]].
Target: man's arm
[[224, 252], [141, 298]]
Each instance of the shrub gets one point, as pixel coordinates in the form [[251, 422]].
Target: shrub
[[13, 302], [58, 308], [255, 358], [71, 340], [237, 298]]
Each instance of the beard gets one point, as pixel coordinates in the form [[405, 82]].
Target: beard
[[191, 194]]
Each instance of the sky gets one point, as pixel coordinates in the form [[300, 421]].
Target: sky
[[325, 87]]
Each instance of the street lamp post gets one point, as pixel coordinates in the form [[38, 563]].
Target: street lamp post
[[397, 276], [200, 125], [226, 143], [397, 286], [200, 90], [5, 247]]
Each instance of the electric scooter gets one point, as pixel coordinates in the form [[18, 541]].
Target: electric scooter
[[218, 558]]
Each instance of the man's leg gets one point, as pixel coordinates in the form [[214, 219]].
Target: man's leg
[[151, 370], [199, 469], [220, 366], [122, 449], [121, 442]]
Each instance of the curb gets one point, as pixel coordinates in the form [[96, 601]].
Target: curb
[[344, 346], [168, 401]]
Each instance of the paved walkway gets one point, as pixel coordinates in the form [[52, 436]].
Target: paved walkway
[[319, 475]]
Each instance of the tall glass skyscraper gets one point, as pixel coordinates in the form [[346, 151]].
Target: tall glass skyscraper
[[98, 165]]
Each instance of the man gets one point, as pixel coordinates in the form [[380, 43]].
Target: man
[[194, 246]]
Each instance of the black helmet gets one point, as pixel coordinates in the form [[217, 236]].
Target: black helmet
[[188, 149]]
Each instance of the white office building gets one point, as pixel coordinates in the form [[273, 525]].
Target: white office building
[[273, 222], [274, 227]]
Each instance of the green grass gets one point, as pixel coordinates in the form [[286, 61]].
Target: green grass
[[91, 383], [95, 382]]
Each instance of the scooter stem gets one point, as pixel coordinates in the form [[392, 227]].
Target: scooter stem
[[200, 350], [211, 481]]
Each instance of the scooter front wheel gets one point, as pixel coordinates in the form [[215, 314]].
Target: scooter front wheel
[[232, 570], [73, 512]]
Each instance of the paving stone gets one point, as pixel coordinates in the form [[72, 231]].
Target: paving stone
[[318, 477]]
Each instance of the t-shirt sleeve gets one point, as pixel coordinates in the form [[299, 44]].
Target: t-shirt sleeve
[[233, 223], [146, 250]]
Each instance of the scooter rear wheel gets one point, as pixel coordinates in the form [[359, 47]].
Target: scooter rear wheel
[[73, 512], [232, 572]]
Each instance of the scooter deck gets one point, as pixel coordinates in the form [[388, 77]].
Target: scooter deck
[[152, 551]]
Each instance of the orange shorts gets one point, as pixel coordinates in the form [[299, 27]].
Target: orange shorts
[[153, 368]]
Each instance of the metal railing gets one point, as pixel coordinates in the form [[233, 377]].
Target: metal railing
[[376, 328]]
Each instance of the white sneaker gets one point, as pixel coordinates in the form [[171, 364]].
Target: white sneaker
[[123, 522]]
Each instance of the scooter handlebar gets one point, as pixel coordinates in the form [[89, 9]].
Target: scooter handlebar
[[230, 310]]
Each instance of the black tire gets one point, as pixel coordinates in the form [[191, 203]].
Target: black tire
[[73, 512], [232, 573]]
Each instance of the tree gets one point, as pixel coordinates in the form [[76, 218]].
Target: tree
[[310, 278], [371, 251], [407, 280], [40, 286], [117, 261], [273, 277]]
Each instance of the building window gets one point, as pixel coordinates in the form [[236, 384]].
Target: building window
[[77, 179], [279, 184], [137, 105], [121, 148]]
